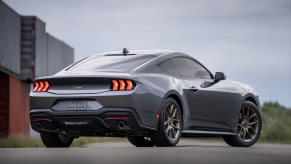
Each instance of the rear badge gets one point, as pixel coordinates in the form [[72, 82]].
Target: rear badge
[[79, 87]]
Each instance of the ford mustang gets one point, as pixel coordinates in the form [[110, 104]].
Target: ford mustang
[[151, 97]]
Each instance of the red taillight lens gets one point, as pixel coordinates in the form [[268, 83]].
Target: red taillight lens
[[36, 85], [46, 86], [121, 85], [129, 85], [41, 86], [114, 85]]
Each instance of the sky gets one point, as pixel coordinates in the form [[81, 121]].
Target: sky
[[248, 40]]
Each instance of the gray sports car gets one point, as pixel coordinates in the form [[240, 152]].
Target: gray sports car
[[151, 97]]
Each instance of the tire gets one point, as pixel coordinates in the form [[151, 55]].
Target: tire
[[170, 125], [55, 140], [140, 141], [249, 127]]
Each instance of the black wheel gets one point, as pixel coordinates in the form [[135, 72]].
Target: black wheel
[[249, 127], [139, 141], [55, 140], [170, 124]]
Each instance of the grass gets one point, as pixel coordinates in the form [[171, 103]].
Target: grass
[[25, 142], [87, 140], [20, 141]]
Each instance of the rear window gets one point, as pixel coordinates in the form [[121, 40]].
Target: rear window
[[118, 63]]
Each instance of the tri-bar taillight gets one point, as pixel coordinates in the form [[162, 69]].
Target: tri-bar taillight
[[41, 86], [122, 85]]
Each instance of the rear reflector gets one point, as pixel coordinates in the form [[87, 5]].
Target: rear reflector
[[39, 118], [121, 85], [117, 117], [41, 86]]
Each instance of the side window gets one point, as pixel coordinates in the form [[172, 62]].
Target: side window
[[169, 67], [186, 68]]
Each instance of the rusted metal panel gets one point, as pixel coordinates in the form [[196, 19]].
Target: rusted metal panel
[[4, 104], [18, 107], [14, 106], [9, 40]]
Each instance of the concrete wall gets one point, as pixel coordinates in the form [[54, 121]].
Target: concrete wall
[[27, 47], [26, 50], [41, 52], [9, 40]]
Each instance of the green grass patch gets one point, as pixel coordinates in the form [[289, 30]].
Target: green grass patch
[[26, 142], [20, 141], [87, 140]]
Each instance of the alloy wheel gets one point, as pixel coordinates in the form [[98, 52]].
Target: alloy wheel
[[172, 121], [248, 126]]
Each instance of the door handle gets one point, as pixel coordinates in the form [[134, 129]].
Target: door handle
[[193, 89]]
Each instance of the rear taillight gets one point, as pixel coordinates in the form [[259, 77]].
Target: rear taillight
[[41, 86], [122, 85]]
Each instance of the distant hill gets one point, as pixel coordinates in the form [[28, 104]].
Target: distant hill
[[276, 123]]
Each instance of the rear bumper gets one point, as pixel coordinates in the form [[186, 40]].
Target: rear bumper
[[106, 121], [141, 102]]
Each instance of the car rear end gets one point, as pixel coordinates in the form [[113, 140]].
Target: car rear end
[[93, 103]]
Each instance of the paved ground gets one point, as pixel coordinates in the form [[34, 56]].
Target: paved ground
[[188, 151]]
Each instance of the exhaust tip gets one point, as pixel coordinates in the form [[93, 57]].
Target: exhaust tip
[[39, 126], [122, 125]]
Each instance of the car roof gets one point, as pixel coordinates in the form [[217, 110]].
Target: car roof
[[158, 56], [138, 52]]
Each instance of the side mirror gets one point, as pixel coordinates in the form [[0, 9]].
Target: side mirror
[[219, 76]]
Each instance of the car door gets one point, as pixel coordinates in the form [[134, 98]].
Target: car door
[[211, 107]]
